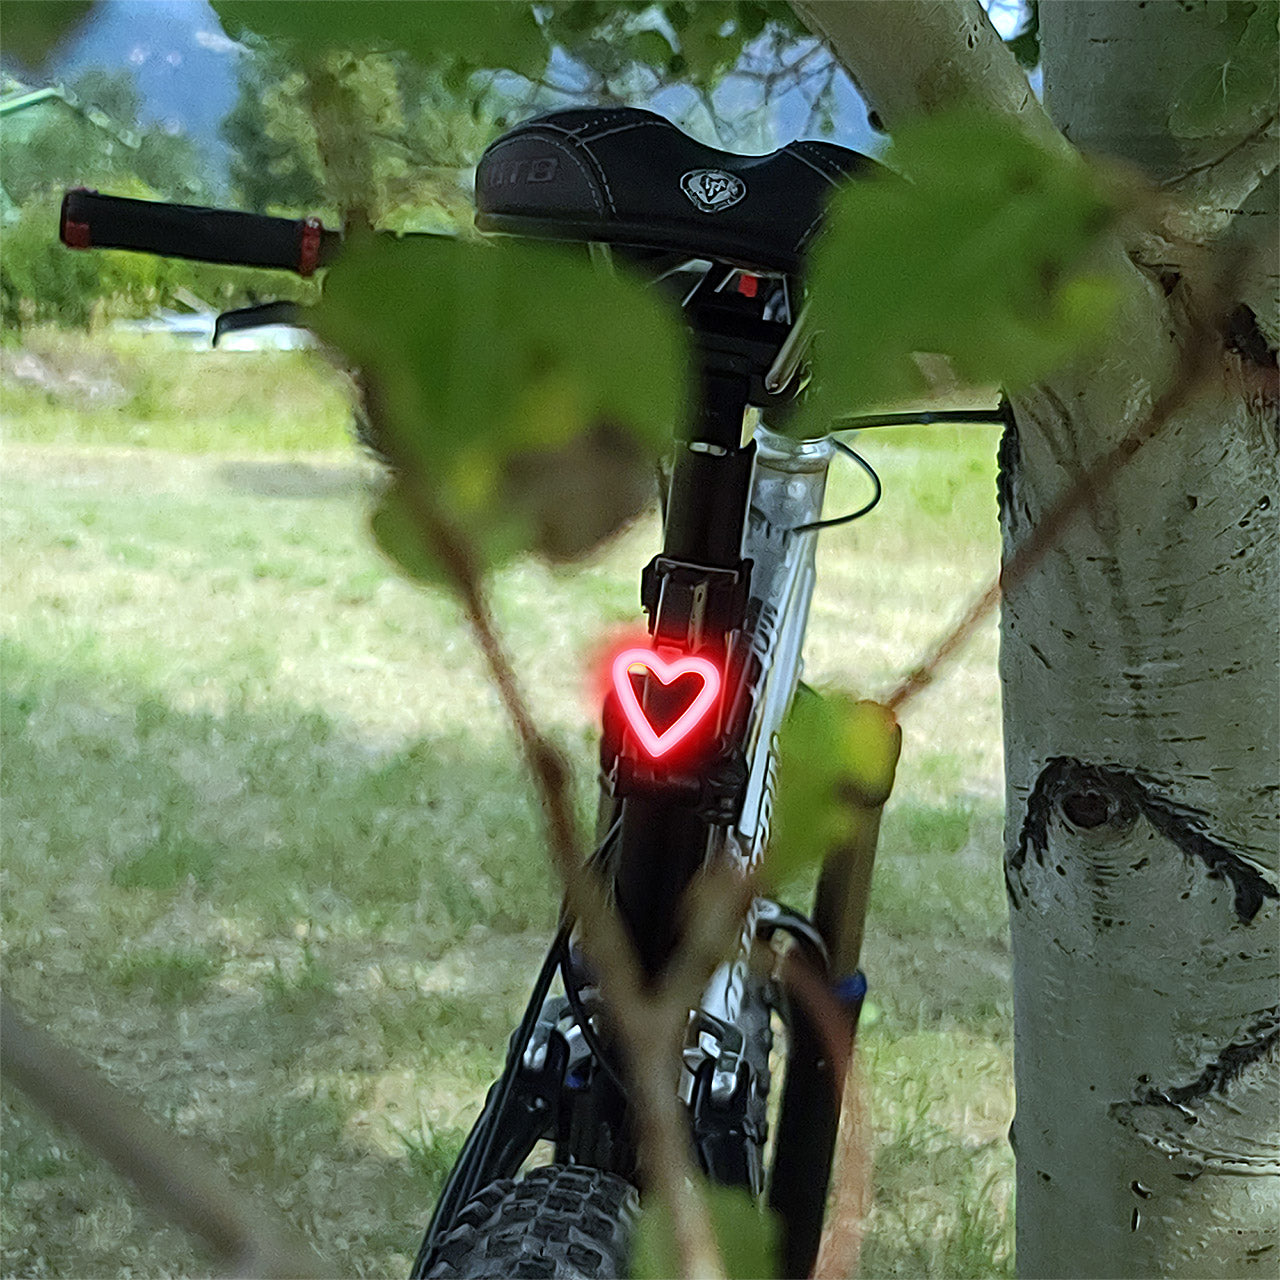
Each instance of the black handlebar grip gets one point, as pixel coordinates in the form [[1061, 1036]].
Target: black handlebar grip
[[93, 221]]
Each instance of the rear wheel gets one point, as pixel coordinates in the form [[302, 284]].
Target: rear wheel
[[561, 1222]]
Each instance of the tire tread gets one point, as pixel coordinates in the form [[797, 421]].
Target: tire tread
[[560, 1222]]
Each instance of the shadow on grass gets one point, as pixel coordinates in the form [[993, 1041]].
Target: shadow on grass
[[274, 818], [303, 953], [287, 478]]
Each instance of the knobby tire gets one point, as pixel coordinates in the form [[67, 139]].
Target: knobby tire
[[560, 1222]]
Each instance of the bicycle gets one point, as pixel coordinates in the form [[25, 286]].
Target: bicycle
[[687, 774]]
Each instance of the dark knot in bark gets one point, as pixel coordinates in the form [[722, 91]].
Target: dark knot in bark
[[1104, 801]]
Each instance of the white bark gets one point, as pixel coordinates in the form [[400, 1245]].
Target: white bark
[[920, 57], [1140, 676], [1140, 737], [1142, 694]]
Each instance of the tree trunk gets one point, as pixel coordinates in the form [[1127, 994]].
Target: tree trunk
[[1141, 713], [1139, 664]]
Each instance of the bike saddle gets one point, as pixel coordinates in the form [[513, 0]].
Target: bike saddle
[[622, 175]]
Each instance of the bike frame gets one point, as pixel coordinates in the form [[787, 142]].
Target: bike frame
[[735, 577], [731, 588], [787, 493], [785, 498]]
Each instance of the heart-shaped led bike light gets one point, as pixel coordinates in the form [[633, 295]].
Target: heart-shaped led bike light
[[640, 661]]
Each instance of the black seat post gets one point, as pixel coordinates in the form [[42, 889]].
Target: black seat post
[[711, 479]]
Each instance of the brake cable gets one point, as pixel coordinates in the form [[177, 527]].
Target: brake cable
[[997, 417], [925, 418], [862, 510]]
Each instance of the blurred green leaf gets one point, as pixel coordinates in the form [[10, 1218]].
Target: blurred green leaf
[[1228, 97], [978, 252], [650, 47], [398, 535], [709, 34], [31, 28], [709, 45], [473, 33], [712, 33], [747, 1237], [529, 391], [836, 763]]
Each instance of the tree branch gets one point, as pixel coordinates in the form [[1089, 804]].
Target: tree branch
[[1210, 194], [921, 57], [649, 1024]]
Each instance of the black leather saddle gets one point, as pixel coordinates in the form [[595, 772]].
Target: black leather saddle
[[625, 176]]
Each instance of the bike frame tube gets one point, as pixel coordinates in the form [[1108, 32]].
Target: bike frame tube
[[664, 843], [733, 510], [787, 491], [788, 487]]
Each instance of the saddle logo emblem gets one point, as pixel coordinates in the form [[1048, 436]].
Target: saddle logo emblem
[[712, 190]]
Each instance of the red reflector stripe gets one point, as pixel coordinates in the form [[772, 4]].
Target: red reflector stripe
[[747, 285]]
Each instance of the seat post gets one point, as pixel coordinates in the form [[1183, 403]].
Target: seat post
[[711, 479]]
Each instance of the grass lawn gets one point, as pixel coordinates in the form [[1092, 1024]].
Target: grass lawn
[[272, 865]]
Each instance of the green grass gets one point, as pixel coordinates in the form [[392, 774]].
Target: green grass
[[169, 976], [116, 392], [270, 858], [943, 1169]]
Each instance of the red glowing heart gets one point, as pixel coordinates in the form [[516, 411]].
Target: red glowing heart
[[658, 744]]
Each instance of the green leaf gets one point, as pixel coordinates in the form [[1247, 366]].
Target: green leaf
[[650, 48], [31, 28], [399, 537], [709, 40], [529, 392], [470, 33], [1228, 97], [710, 34], [747, 1237], [979, 254], [836, 764]]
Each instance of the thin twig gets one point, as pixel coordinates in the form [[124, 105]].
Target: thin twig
[[649, 1026], [545, 763], [653, 1042], [850, 1186], [841, 1243], [716, 906], [828, 1017], [648, 1029]]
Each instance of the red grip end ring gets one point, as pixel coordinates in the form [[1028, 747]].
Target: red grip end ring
[[75, 235], [309, 246]]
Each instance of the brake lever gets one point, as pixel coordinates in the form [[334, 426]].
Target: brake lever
[[255, 317], [791, 354]]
